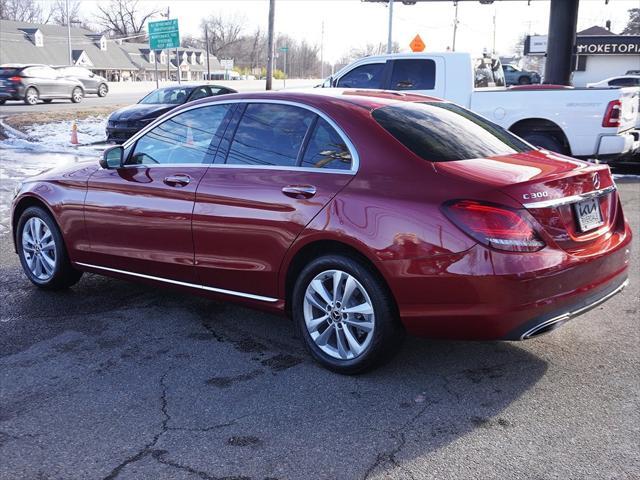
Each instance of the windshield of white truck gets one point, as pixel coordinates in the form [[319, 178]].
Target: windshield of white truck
[[443, 132]]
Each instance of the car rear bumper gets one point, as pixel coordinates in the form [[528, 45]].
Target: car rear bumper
[[486, 295], [549, 322]]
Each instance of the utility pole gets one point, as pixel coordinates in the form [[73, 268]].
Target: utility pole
[[322, 51], [69, 34], [455, 28], [494, 31], [390, 38], [168, 52], [272, 13], [206, 39]]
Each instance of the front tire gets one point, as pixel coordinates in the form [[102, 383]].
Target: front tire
[[345, 314], [103, 90], [42, 251], [524, 81], [77, 95], [31, 96]]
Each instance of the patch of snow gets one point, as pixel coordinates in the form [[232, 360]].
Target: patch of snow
[[55, 137]]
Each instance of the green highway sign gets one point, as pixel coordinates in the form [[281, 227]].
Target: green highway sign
[[164, 34]]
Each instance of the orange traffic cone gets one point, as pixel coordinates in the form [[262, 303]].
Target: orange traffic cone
[[74, 133]]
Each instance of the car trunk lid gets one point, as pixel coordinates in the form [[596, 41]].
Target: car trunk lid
[[574, 203]]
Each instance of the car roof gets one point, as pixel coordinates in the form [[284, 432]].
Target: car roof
[[368, 99]]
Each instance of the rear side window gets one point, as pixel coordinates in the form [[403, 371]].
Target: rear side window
[[269, 134], [365, 76], [185, 138], [442, 132], [9, 72], [413, 75], [326, 149]]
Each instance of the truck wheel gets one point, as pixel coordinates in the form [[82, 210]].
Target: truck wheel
[[31, 96], [546, 141], [524, 81]]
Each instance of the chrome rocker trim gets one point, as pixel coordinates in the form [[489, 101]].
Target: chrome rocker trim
[[182, 284], [560, 319]]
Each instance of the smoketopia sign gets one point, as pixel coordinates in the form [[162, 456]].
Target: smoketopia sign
[[624, 45], [589, 45]]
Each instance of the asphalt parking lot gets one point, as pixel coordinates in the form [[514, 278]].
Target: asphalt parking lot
[[120, 380]]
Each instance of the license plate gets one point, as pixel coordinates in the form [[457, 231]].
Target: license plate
[[588, 214]]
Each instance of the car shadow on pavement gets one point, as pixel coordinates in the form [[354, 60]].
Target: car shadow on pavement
[[121, 380]]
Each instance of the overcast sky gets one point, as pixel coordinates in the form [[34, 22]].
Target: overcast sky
[[350, 23]]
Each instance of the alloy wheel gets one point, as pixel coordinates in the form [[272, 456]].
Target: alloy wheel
[[102, 91], [339, 314], [39, 248], [77, 95], [32, 96]]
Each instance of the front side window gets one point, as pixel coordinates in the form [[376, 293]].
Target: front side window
[[413, 75], [269, 134], [442, 132], [326, 149], [365, 76], [173, 96], [185, 138]]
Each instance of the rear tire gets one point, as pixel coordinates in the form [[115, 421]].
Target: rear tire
[[42, 252], [358, 327], [2, 102], [31, 96], [77, 95], [547, 141]]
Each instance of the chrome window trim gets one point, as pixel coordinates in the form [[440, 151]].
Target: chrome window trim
[[355, 158], [572, 199], [183, 284]]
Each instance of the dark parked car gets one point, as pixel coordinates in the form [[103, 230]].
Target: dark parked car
[[361, 214], [125, 122], [514, 75], [91, 82], [31, 83]]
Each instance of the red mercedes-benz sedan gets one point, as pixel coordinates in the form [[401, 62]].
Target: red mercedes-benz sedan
[[361, 214]]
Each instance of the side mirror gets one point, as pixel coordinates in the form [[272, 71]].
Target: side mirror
[[112, 157]]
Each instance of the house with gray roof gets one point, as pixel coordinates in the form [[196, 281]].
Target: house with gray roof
[[22, 42], [47, 44]]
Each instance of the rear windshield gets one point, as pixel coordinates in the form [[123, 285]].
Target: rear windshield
[[443, 132], [8, 71]]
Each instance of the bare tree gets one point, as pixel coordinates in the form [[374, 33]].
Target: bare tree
[[189, 41], [20, 11], [124, 17], [224, 32], [633, 25], [58, 13]]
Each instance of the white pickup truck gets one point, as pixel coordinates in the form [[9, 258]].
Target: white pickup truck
[[588, 123]]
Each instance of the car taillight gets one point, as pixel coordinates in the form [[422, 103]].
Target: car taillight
[[496, 226], [15, 79], [612, 114]]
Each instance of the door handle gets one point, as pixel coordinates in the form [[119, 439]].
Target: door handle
[[178, 180], [297, 191]]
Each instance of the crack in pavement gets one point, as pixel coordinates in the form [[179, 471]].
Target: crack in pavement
[[147, 449]]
